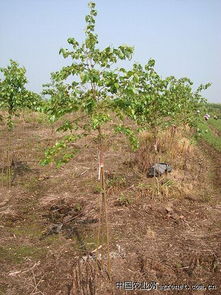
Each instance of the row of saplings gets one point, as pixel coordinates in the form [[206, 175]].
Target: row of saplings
[[97, 92]]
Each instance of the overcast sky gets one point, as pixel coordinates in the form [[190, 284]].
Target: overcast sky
[[183, 36]]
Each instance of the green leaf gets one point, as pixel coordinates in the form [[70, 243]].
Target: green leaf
[[91, 5]]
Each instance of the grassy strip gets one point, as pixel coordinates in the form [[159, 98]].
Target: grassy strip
[[209, 136], [215, 123]]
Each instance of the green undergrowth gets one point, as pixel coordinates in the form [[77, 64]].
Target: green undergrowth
[[207, 134], [215, 123], [29, 231], [17, 254]]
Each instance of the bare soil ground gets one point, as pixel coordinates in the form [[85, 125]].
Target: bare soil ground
[[165, 230]]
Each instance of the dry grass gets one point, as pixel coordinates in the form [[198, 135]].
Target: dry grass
[[162, 229], [189, 175]]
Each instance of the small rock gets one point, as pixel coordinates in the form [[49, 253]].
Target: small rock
[[158, 169]]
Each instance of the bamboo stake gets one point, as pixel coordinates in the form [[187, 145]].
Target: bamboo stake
[[103, 218], [3, 162], [8, 161], [104, 201]]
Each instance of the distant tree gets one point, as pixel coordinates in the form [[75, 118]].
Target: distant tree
[[13, 94], [156, 103], [187, 105]]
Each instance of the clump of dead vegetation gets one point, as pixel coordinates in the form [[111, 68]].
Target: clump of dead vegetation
[[178, 148]]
